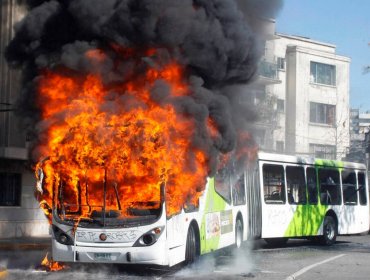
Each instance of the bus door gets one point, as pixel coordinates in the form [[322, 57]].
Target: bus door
[[297, 200], [218, 222], [276, 214]]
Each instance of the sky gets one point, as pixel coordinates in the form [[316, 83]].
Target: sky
[[344, 23]]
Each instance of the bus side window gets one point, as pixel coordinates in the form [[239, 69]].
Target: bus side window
[[239, 191], [311, 185], [362, 188], [222, 184], [273, 183], [349, 187], [330, 193], [296, 185]]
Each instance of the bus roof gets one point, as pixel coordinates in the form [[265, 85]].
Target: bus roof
[[308, 160]]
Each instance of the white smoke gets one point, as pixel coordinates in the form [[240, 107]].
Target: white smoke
[[233, 263]]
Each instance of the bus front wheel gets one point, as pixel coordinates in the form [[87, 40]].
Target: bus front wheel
[[191, 252], [329, 231]]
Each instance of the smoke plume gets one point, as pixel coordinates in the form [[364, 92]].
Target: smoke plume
[[212, 40]]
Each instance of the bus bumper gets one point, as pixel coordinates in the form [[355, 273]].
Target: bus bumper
[[155, 254]]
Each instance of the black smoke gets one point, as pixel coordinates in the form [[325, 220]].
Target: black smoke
[[213, 39]]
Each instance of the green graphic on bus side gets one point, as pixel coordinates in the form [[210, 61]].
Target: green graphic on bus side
[[214, 204], [307, 219]]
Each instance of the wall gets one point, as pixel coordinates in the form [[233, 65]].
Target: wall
[[27, 219]]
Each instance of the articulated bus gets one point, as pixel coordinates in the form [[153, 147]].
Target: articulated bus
[[313, 198], [276, 198]]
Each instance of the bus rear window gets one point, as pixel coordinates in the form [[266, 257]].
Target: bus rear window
[[330, 192], [349, 187], [273, 183], [362, 188]]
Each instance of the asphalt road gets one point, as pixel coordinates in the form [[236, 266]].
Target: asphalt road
[[349, 258]]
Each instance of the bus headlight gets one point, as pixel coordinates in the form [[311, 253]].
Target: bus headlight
[[61, 236], [150, 237]]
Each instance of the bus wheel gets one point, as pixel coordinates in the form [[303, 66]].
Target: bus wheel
[[191, 252], [238, 233], [276, 241], [329, 231]]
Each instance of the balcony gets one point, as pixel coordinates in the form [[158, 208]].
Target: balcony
[[268, 73]]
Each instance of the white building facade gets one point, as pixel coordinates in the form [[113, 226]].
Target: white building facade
[[312, 100], [20, 214]]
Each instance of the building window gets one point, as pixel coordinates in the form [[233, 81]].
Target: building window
[[323, 151], [279, 146], [323, 74], [280, 105], [10, 189], [280, 63], [322, 113]]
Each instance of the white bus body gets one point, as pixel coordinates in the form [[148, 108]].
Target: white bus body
[[299, 193], [270, 200]]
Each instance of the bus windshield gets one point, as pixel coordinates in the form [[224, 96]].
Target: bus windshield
[[107, 204]]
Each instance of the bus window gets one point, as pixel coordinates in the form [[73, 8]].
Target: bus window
[[330, 192], [362, 188], [349, 187], [311, 185], [273, 183], [222, 184], [239, 191], [296, 185]]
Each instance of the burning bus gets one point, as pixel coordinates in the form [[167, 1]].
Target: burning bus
[[132, 110], [99, 223]]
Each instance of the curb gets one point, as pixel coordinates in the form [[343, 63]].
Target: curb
[[26, 246]]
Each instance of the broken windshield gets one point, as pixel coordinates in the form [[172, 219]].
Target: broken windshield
[[105, 204]]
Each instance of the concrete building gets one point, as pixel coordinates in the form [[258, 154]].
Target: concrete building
[[359, 135], [312, 100], [19, 211]]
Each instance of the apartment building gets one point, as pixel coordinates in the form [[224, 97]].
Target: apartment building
[[312, 100], [359, 136], [19, 211]]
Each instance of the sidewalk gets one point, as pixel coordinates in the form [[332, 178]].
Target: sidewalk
[[25, 243]]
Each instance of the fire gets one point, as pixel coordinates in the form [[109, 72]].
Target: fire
[[119, 134], [51, 265]]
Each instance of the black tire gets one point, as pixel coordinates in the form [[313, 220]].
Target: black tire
[[281, 241], [330, 231], [238, 233], [191, 252]]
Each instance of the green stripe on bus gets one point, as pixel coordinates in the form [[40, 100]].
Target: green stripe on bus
[[329, 163], [306, 221], [214, 203]]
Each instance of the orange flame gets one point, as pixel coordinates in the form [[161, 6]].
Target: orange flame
[[118, 134], [51, 265]]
